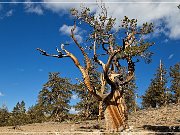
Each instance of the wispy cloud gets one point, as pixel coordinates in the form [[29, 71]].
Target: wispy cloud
[[33, 8], [65, 29], [74, 96], [9, 13], [146, 12], [6, 14], [1, 94], [73, 111], [170, 56]]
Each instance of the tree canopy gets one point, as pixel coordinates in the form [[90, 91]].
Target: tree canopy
[[106, 48]]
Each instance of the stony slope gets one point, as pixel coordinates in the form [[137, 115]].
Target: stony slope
[[164, 119], [156, 119]]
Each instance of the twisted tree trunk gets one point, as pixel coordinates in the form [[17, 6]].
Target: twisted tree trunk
[[116, 113]]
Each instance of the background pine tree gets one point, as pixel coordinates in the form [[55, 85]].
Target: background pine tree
[[35, 114], [130, 96], [157, 93], [55, 96], [4, 115], [175, 82], [88, 105], [18, 115]]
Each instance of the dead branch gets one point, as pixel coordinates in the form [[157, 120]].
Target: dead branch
[[59, 55], [84, 73], [88, 63], [95, 55]]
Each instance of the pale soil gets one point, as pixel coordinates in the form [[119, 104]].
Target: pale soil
[[83, 128], [142, 122]]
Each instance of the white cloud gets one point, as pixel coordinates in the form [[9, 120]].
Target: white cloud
[[170, 56], [9, 13], [33, 8], [1, 94], [65, 29], [6, 14], [74, 96], [73, 111], [79, 38], [65, 6], [144, 12]]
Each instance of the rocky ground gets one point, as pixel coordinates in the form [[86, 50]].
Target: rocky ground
[[164, 120]]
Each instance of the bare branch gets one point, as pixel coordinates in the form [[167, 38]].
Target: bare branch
[[94, 45], [99, 62], [104, 47], [95, 55], [88, 62], [110, 60], [75, 60], [84, 73], [60, 55]]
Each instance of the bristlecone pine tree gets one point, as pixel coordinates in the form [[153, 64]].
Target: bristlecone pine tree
[[157, 93], [107, 49], [130, 96], [175, 82], [55, 96]]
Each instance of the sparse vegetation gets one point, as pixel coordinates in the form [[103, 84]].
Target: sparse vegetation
[[107, 89]]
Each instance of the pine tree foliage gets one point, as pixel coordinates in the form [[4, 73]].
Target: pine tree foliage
[[4, 115], [35, 114], [18, 115], [88, 105], [130, 96], [157, 93], [55, 96], [175, 82]]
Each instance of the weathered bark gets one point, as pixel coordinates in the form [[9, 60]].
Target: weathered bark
[[116, 113], [100, 111]]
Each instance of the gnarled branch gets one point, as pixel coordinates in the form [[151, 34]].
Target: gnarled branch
[[77, 63], [60, 55], [88, 62]]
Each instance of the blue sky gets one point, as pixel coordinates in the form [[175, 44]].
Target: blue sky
[[27, 26]]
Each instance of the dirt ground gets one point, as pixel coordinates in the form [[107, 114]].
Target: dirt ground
[[52, 128], [165, 120]]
